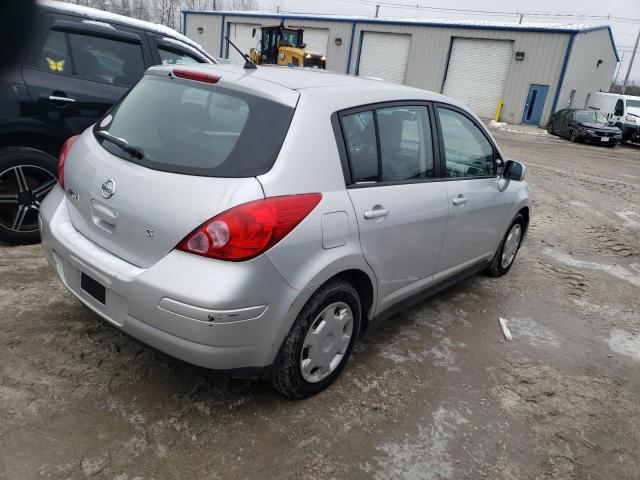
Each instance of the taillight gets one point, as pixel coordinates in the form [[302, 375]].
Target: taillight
[[64, 151], [246, 231]]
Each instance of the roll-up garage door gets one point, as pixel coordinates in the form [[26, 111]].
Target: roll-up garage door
[[316, 39], [241, 35], [384, 55], [477, 73]]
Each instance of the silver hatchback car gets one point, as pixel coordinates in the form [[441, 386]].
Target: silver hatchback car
[[256, 221]]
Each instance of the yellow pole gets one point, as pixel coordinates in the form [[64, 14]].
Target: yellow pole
[[498, 111]]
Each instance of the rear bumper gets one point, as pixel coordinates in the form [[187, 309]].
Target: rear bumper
[[215, 314]]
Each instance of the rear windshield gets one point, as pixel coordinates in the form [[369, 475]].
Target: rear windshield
[[194, 128]]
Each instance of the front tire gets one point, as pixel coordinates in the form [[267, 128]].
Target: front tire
[[506, 254], [26, 176], [573, 136], [320, 341]]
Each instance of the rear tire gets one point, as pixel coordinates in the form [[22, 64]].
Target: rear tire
[[509, 247], [26, 176], [295, 373], [550, 129]]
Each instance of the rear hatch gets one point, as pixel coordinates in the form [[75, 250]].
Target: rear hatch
[[172, 154]]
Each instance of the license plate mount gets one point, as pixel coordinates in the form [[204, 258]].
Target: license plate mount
[[95, 289]]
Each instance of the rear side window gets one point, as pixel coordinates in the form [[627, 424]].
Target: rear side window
[[188, 127], [106, 60], [468, 153], [170, 57]]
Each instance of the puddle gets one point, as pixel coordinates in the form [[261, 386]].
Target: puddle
[[625, 343], [613, 270]]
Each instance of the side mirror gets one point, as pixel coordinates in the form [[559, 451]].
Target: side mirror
[[514, 171]]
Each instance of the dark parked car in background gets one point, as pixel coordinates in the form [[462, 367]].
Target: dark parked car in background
[[78, 63], [588, 126]]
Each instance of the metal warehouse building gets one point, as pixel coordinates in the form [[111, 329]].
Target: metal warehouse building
[[531, 70]]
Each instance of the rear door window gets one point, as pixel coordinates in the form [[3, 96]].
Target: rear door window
[[405, 143], [91, 57], [360, 135], [391, 144], [184, 126]]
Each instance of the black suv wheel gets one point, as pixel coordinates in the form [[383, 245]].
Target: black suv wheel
[[26, 176]]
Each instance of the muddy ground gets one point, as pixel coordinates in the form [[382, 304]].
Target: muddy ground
[[433, 393]]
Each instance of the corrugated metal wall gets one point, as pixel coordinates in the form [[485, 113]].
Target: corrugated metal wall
[[583, 74], [210, 36], [544, 55]]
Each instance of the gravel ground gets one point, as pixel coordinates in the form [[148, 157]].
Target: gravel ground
[[433, 393]]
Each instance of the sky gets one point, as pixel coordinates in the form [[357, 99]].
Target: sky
[[624, 29]]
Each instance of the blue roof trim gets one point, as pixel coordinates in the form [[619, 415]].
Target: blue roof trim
[[567, 55], [280, 16], [353, 32], [222, 39]]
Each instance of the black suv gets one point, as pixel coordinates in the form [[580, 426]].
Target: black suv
[[79, 62]]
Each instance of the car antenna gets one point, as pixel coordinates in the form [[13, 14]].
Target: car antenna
[[248, 64]]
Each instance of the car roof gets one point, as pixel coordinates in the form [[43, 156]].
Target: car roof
[[107, 17], [321, 82]]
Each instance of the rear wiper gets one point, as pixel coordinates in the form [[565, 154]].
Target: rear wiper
[[135, 152]]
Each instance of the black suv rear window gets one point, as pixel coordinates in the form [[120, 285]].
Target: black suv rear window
[[194, 128]]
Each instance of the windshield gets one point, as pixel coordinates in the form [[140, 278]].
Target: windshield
[[633, 104], [289, 37], [590, 116], [189, 127]]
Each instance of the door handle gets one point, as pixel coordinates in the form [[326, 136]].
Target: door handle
[[376, 213], [460, 200], [55, 98]]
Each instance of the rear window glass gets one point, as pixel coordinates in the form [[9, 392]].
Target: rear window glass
[[189, 127]]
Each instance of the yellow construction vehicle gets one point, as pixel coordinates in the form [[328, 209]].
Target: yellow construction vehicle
[[280, 45]]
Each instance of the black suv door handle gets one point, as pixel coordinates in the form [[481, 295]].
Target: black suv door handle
[[60, 97], [55, 98]]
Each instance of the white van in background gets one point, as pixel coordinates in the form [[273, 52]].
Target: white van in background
[[621, 110]]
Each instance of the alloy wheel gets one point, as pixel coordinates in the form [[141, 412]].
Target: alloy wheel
[[22, 189]]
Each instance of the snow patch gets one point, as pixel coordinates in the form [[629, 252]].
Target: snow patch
[[99, 24], [613, 270], [427, 456], [625, 343]]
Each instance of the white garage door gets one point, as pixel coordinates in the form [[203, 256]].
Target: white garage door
[[384, 55], [316, 39], [240, 34], [477, 73]]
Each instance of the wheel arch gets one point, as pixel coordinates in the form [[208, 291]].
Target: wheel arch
[[38, 141], [525, 211]]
